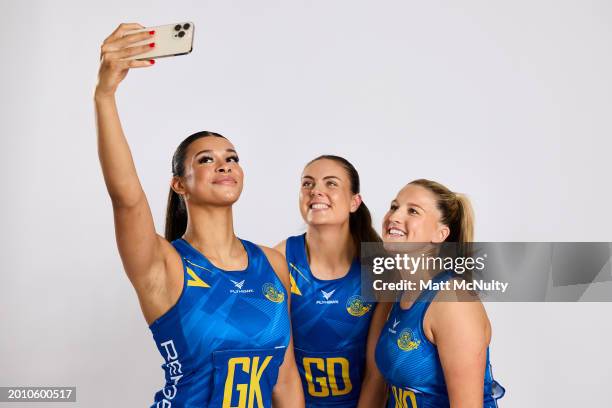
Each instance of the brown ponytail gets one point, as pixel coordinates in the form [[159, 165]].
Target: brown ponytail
[[176, 211]]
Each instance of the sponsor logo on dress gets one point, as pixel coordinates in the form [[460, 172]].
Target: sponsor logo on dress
[[356, 306], [327, 296], [272, 293], [395, 323], [407, 341], [174, 370], [239, 285]]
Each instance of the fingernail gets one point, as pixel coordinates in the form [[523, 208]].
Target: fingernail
[[152, 45], [152, 32], [151, 62]]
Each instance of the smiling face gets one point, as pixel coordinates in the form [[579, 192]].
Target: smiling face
[[326, 196], [414, 217], [212, 175]]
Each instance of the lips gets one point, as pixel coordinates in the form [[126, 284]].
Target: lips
[[396, 232], [392, 232], [225, 180], [318, 206]]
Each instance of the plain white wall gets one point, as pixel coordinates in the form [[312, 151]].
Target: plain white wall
[[508, 102]]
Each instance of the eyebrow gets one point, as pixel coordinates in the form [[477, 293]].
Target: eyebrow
[[408, 204], [416, 205], [210, 151], [324, 178]]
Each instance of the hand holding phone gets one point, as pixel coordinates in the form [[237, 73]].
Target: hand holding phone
[[116, 55], [132, 45], [169, 40]]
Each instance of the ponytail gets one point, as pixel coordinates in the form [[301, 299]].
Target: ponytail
[[465, 219], [176, 210], [176, 217], [360, 224]]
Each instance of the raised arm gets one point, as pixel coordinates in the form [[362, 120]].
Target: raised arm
[[144, 254]]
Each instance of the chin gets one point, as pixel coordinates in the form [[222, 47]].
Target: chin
[[313, 222], [320, 219], [394, 239], [231, 199], [394, 244], [231, 193], [223, 200]]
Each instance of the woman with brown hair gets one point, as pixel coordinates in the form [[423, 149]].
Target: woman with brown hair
[[329, 316]]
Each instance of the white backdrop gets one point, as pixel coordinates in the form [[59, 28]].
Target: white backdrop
[[508, 102]]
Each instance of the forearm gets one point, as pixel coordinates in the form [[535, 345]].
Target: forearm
[[374, 387], [288, 393], [373, 392], [114, 152]]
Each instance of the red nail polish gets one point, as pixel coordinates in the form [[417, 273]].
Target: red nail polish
[[152, 32], [152, 45], [151, 62]]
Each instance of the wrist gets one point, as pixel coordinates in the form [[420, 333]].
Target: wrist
[[101, 95]]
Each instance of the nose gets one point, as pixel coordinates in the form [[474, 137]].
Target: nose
[[395, 219], [315, 193], [224, 168]]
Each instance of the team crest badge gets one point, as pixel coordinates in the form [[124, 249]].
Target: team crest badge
[[272, 293], [356, 306], [406, 340]]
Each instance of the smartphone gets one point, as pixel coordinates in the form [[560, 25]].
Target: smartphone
[[169, 39]]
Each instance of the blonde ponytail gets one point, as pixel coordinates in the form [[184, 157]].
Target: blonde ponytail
[[465, 219]]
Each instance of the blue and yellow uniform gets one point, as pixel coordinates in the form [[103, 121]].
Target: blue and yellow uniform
[[225, 338], [410, 362], [330, 325]]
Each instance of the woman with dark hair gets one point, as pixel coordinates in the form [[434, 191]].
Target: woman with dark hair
[[217, 306], [433, 350], [330, 318]]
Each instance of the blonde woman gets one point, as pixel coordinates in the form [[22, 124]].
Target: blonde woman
[[433, 353]]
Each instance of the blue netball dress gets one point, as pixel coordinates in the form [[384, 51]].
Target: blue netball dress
[[224, 340], [330, 326], [410, 362]]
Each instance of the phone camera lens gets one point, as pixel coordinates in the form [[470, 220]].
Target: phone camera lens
[[186, 26], [177, 27], [181, 34]]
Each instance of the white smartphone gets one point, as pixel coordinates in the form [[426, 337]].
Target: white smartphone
[[169, 39]]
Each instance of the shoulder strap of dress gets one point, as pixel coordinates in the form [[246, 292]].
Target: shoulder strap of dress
[[422, 303], [183, 248], [295, 249], [259, 264], [428, 295]]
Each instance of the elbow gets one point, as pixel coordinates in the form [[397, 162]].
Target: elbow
[[125, 199]]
